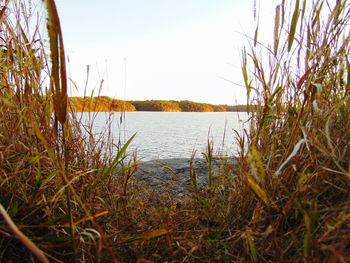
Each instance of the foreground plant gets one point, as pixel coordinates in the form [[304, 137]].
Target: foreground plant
[[47, 165], [297, 164]]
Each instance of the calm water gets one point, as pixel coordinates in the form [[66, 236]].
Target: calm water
[[162, 135]]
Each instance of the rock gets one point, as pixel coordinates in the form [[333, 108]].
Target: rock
[[174, 174]]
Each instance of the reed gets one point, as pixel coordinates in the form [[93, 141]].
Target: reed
[[208, 156], [298, 154], [47, 164]]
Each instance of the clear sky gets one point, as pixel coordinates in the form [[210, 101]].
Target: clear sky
[[170, 49]]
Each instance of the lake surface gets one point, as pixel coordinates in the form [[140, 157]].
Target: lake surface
[[163, 135]]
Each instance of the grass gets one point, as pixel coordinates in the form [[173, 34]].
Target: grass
[[63, 199]]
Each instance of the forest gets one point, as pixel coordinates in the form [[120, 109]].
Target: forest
[[107, 104]]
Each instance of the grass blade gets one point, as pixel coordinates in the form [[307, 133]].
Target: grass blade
[[208, 155], [25, 240], [257, 190], [256, 165], [59, 76], [3, 9], [118, 158], [193, 174], [276, 30], [251, 246], [307, 236], [156, 233], [256, 34], [293, 26]]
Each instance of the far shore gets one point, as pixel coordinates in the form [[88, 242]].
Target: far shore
[[107, 104]]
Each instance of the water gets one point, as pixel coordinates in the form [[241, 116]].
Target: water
[[163, 135]]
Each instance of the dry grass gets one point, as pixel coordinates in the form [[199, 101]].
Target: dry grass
[[289, 201]]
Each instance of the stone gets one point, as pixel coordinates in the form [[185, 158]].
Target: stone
[[174, 174]]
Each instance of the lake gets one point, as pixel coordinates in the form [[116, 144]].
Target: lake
[[163, 135]]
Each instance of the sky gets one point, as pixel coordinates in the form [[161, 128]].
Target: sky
[[160, 49]]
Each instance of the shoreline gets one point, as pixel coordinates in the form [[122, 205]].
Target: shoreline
[[173, 174], [107, 104]]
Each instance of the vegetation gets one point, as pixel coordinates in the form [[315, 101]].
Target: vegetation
[[184, 106], [156, 105], [106, 104], [64, 198], [99, 104]]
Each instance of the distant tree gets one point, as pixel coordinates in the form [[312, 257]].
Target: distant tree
[[99, 104], [220, 108], [170, 106], [237, 108], [106, 104], [120, 105], [190, 106], [156, 105]]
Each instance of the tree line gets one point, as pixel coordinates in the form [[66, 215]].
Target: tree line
[[106, 104]]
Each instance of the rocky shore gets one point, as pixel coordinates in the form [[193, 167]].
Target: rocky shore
[[174, 174]]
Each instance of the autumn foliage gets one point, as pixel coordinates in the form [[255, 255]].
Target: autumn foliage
[[107, 104]]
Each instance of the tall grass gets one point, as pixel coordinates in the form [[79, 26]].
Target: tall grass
[[297, 164], [63, 199], [53, 180]]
